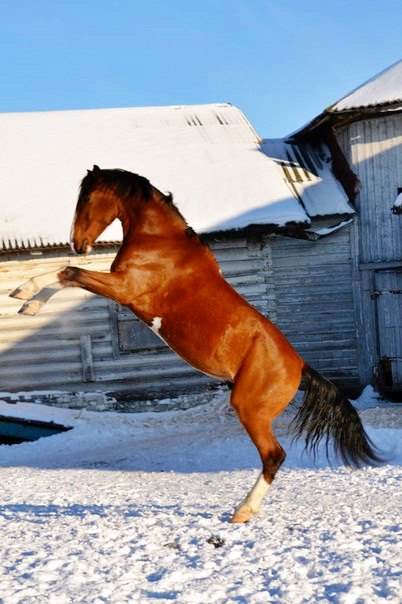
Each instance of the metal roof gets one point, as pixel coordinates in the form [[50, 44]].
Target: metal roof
[[385, 88], [382, 93], [208, 156]]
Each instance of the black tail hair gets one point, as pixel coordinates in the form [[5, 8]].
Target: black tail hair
[[326, 414]]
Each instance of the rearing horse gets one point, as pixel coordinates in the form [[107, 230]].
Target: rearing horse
[[171, 280]]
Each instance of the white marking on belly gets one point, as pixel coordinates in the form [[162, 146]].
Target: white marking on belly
[[156, 324]]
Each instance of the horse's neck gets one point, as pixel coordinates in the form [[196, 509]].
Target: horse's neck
[[152, 217]]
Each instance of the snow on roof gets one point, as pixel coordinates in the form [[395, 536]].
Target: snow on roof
[[383, 88], [383, 91], [308, 171], [208, 156]]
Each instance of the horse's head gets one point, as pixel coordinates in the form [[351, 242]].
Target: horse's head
[[94, 212], [103, 197]]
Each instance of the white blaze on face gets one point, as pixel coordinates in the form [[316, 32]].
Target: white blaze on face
[[156, 324]]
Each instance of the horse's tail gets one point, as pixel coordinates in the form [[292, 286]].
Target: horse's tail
[[326, 414]]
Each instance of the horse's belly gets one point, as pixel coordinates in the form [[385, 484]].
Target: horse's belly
[[210, 342], [199, 355]]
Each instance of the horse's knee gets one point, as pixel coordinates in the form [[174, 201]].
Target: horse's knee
[[68, 275]]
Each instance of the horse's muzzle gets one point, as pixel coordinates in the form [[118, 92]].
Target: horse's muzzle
[[84, 248]]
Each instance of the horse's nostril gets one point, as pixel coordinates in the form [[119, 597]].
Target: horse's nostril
[[82, 248]]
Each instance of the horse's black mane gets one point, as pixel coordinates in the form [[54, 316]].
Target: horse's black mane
[[125, 184]]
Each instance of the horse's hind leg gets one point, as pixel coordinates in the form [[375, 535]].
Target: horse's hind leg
[[263, 388], [272, 456]]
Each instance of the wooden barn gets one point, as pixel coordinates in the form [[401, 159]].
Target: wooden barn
[[277, 214], [367, 124]]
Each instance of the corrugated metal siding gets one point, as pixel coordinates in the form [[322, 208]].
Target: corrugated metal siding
[[314, 303], [51, 349], [375, 152]]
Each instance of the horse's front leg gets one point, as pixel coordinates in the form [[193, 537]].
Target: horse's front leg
[[34, 305], [110, 285], [28, 290], [38, 290]]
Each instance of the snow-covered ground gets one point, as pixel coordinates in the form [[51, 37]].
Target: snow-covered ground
[[135, 508]]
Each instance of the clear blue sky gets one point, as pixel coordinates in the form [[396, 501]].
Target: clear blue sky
[[281, 61]]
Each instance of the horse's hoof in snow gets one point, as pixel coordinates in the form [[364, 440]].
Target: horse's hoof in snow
[[23, 292], [31, 308], [242, 514]]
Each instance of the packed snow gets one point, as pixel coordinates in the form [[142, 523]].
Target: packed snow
[[135, 508]]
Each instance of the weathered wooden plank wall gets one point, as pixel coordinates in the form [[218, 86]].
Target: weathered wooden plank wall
[[70, 343], [314, 303], [305, 287], [374, 150], [45, 351]]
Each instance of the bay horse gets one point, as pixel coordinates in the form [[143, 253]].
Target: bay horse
[[170, 279]]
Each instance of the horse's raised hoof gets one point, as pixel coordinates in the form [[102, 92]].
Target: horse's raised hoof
[[31, 308], [242, 514], [23, 292]]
